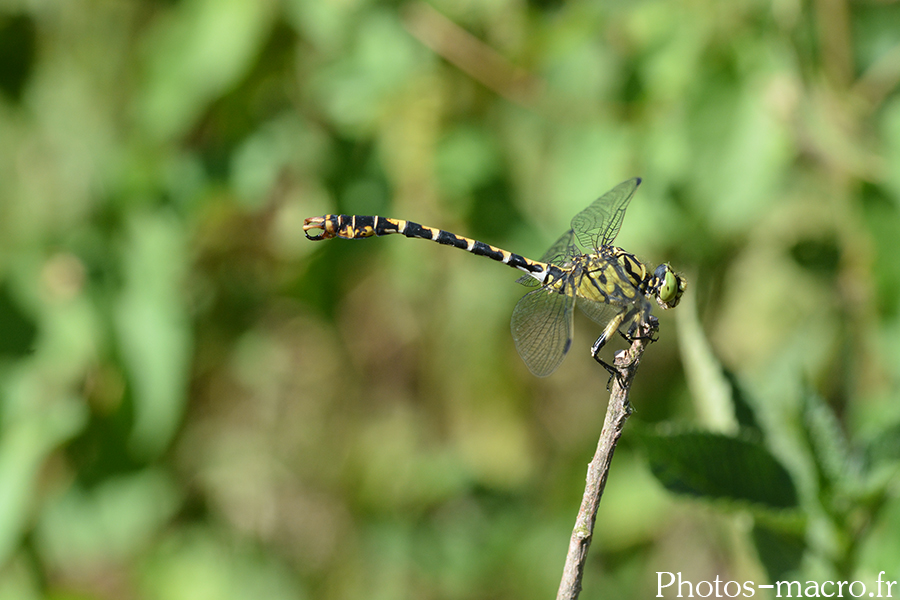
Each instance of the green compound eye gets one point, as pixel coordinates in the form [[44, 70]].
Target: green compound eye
[[667, 292], [671, 286]]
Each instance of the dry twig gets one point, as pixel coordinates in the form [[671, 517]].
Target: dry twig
[[617, 412]]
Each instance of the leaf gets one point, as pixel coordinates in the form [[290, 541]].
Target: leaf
[[357, 90], [18, 329], [25, 445], [18, 42], [719, 467], [743, 404], [881, 457], [153, 328], [829, 445], [200, 562], [710, 388], [109, 522], [885, 447], [780, 552], [194, 54]]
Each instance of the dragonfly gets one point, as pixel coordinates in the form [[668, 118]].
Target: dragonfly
[[611, 286]]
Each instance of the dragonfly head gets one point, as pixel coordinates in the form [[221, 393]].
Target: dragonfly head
[[669, 286]]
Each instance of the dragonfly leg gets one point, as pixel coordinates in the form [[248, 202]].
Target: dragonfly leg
[[612, 326], [595, 349], [613, 372], [636, 332], [608, 331]]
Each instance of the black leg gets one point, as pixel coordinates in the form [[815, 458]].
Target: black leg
[[634, 332], [595, 352], [637, 331], [613, 372], [595, 349]]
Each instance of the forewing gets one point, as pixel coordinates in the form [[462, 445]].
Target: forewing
[[542, 324], [562, 250], [599, 223], [559, 253]]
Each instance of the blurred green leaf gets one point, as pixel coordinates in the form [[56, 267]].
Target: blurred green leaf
[[710, 389], [881, 545], [283, 147], [327, 24], [18, 41], [195, 52], [781, 552], [889, 124], [885, 447], [25, 443], [357, 90], [838, 472], [875, 31], [198, 564], [743, 405], [718, 467], [110, 523], [881, 455], [153, 327], [821, 256], [18, 330], [466, 159], [742, 150], [19, 582]]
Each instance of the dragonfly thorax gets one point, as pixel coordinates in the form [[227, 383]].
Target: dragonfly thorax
[[612, 275], [609, 275]]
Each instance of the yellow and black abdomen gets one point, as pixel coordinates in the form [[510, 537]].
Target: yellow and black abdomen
[[358, 226]]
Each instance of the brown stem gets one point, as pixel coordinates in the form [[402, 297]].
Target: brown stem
[[616, 413], [475, 58]]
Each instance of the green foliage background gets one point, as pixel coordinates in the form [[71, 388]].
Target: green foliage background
[[197, 402]]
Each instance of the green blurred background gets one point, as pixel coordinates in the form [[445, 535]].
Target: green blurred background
[[197, 402]]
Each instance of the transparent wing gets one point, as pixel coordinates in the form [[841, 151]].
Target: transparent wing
[[542, 324], [599, 223], [559, 253], [528, 281], [600, 313], [562, 250]]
